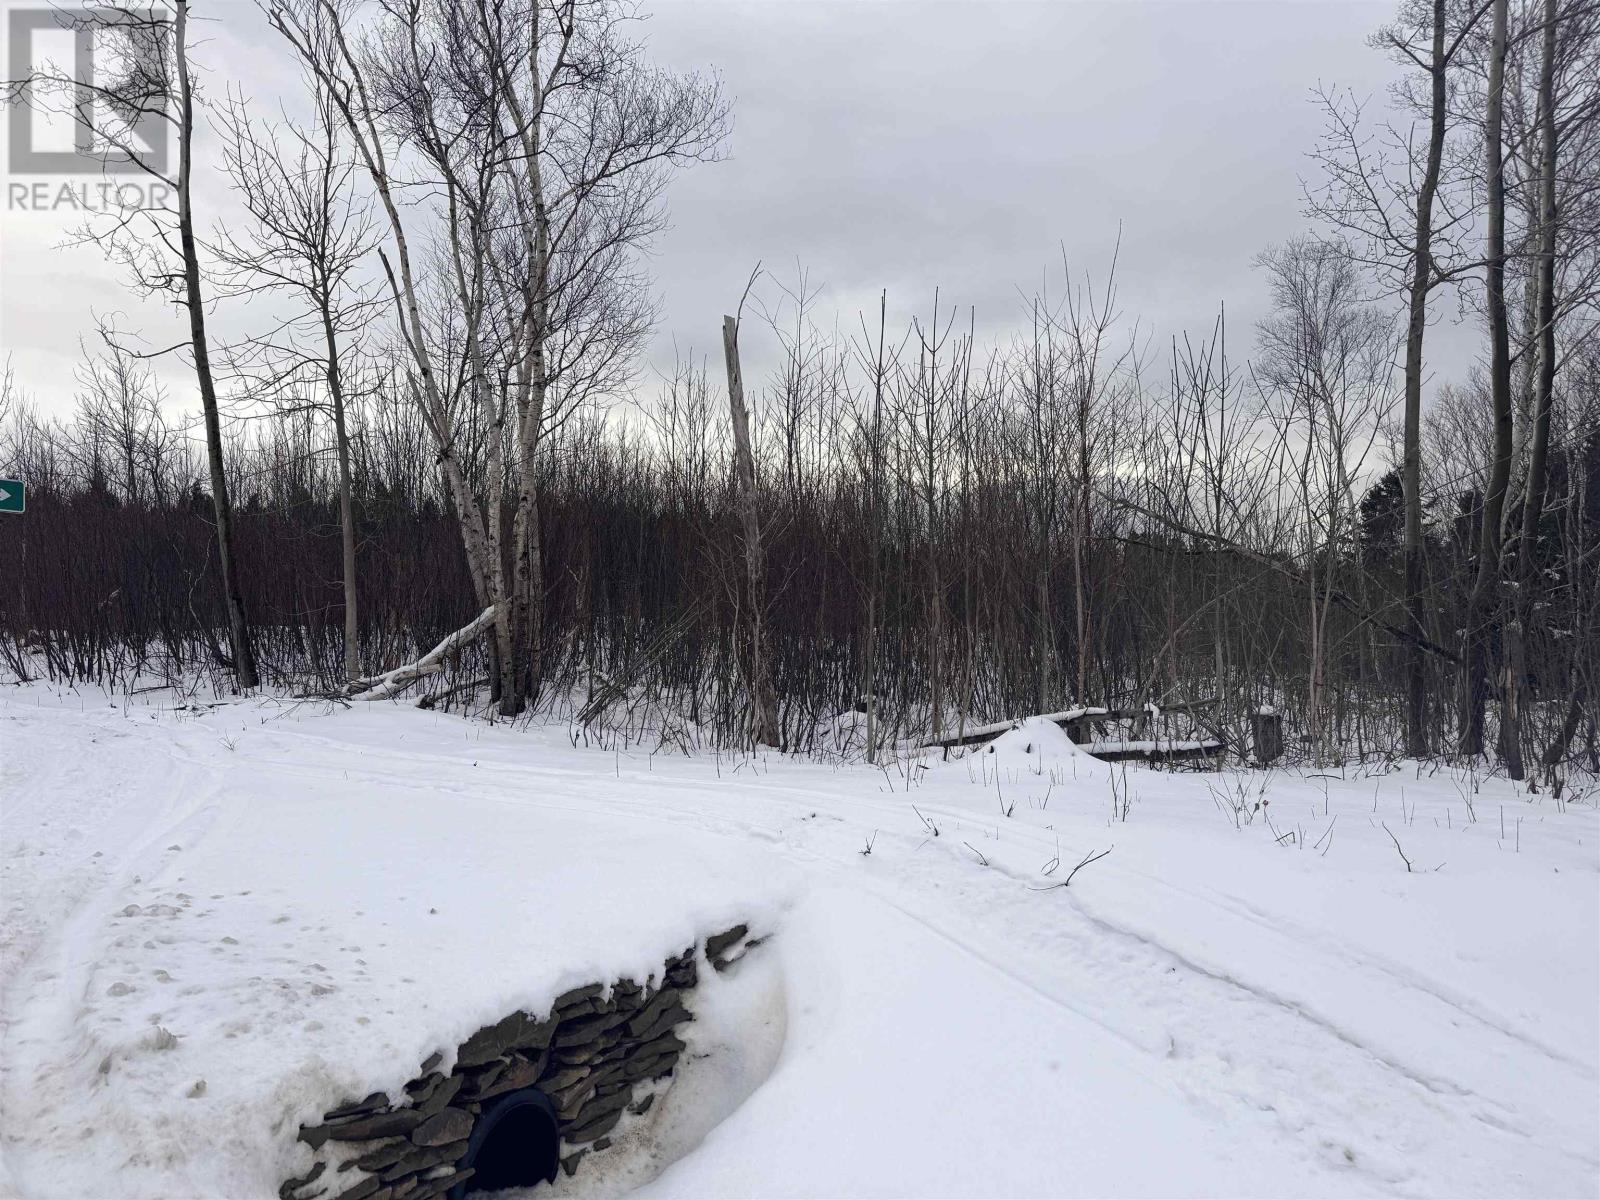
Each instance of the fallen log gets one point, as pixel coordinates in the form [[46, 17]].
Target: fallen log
[[381, 687], [1156, 750]]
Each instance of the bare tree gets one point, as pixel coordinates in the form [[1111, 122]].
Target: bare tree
[[1385, 193], [871, 354], [757, 669], [1326, 359], [1556, 196], [550, 142], [1481, 601], [120, 403], [311, 230], [144, 76], [923, 420]]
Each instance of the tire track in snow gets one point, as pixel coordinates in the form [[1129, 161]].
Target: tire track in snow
[[47, 987], [1451, 1100], [1255, 1076]]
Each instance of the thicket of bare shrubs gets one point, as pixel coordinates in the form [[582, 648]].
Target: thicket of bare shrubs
[[1084, 534]]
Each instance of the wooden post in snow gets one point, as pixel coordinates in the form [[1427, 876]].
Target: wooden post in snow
[[763, 699]]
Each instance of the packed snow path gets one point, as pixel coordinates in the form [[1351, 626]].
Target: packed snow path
[[218, 921]]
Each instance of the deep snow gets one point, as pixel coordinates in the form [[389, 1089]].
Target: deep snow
[[218, 922]]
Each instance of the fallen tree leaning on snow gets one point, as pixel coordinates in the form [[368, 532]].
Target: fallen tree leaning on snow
[[381, 687]]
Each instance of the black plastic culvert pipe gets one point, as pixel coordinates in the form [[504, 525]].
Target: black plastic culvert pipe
[[515, 1142]]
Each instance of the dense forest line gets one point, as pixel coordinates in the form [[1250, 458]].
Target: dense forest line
[[899, 532], [993, 585]]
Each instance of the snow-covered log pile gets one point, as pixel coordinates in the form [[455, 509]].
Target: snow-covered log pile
[[597, 1054], [1144, 742], [973, 735]]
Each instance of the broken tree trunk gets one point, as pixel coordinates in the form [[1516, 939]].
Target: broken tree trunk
[[763, 698]]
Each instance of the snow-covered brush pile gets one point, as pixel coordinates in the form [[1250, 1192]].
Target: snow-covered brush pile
[[1035, 746], [1019, 971]]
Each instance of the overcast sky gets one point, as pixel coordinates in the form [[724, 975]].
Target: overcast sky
[[904, 145]]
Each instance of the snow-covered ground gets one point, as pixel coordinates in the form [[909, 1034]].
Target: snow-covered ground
[[219, 921]]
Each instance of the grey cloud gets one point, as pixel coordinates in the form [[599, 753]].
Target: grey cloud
[[912, 145]]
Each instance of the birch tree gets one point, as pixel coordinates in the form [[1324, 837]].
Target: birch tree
[[548, 141]]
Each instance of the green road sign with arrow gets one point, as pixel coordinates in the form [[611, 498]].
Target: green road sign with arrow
[[13, 495]]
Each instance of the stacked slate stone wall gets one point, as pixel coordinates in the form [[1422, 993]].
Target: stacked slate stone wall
[[594, 1054]]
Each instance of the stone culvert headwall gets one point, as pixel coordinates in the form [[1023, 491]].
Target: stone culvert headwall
[[597, 1047]]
